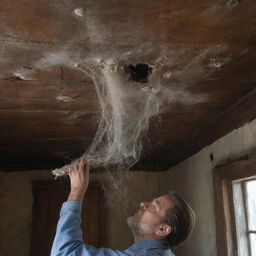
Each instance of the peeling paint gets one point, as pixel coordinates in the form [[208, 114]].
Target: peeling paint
[[214, 63], [217, 63], [233, 3], [79, 12], [64, 99], [167, 74], [18, 76]]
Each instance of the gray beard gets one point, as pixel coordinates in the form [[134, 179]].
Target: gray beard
[[139, 230]]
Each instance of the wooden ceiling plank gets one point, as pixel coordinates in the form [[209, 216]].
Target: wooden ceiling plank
[[49, 105]]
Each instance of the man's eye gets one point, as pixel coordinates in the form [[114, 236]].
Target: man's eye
[[152, 208]]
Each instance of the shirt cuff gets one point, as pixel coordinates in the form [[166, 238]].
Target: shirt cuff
[[71, 206]]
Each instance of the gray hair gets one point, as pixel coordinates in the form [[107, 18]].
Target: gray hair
[[181, 218]]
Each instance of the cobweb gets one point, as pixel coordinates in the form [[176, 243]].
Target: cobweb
[[126, 108]]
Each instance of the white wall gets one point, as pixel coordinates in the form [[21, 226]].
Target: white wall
[[193, 179]]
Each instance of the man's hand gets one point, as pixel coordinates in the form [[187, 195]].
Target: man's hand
[[79, 179]]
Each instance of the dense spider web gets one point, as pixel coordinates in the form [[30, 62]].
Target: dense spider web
[[125, 110]]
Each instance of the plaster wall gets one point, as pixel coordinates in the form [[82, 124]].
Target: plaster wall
[[16, 208], [193, 179]]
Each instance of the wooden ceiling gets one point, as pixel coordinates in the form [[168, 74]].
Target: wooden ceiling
[[48, 108]]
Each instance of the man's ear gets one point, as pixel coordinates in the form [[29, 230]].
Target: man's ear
[[163, 230]]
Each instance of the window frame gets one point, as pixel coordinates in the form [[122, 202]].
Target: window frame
[[223, 177], [248, 231]]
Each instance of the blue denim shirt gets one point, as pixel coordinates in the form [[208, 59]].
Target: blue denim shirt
[[68, 240]]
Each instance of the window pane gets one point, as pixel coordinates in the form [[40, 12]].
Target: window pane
[[253, 244], [251, 203], [240, 220]]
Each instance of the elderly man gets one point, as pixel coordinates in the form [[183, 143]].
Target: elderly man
[[158, 226]]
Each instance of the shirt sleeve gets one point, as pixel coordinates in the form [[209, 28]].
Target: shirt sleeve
[[68, 240]]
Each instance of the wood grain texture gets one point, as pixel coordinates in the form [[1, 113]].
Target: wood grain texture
[[207, 47]]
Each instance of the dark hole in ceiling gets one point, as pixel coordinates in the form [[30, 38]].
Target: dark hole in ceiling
[[139, 72]]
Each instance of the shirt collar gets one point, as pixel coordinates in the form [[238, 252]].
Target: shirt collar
[[149, 244]]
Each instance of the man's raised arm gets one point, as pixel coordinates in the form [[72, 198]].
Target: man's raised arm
[[69, 239]]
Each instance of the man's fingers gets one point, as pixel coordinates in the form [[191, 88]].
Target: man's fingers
[[79, 176], [80, 165], [87, 167], [73, 166]]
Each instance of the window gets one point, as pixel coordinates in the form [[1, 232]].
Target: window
[[244, 199], [235, 199], [250, 195]]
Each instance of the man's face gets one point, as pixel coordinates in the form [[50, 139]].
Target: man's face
[[150, 215]]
